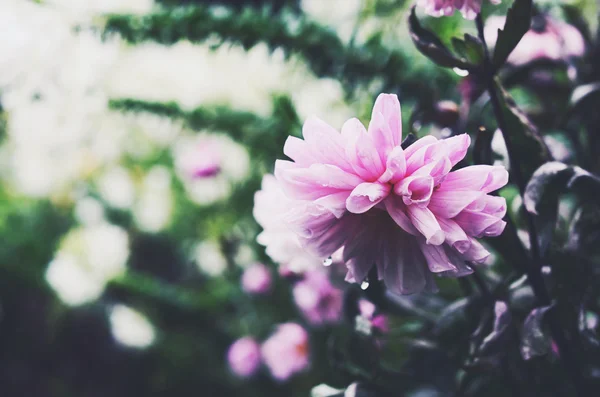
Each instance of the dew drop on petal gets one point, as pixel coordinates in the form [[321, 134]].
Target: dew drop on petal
[[364, 285], [327, 261]]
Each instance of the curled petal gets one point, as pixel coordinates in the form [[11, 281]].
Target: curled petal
[[365, 196], [449, 203], [395, 167], [455, 235], [476, 252], [479, 224], [436, 258], [485, 178], [427, 224], [415, 189], [457, 147]]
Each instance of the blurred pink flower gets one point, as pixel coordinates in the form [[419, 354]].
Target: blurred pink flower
[[282, 244], [468, 8], [204, 161], [547, 39], [377, 321], [319, 301], [257, 279], [286, 352], [399, 209], [244, 357]]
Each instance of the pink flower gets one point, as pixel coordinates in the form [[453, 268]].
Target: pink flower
[[468, 8], [399, 209], [204, 161], [257, 279], [547, 39], [319, 301], [243, 357], [286, 352], [377, 321], [282, 244]]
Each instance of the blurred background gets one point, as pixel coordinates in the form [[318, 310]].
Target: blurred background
[[133, 137]]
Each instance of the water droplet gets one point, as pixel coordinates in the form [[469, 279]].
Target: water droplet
[[327, 261], [364, 285], [461, 72]]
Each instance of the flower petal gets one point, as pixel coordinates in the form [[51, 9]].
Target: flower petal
[[415, 189], [405, 271], [365, 196], [397, 211], [479, 224], [485, 178], [436, 257], [426, 223], [318, 180], [455, 236], [476, 252], [457, 147], [386, 127], [449, 203], [395, 167]]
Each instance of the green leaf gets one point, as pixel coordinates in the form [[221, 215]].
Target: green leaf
[[518, 21], [527, 143], [543, 191], [470, 48], [431, 46]]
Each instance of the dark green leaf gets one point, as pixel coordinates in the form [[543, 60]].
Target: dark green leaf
[[535, 340], [527, 143], [584, 232], [431, 46], [518, 21], [470, 48]]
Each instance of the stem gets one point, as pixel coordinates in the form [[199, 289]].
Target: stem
[[534, 273]]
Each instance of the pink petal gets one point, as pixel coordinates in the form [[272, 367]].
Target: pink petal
[[427, 154], [318, 180], [397, 211], [404, 267], [437, 169], [298, 150], [415, 189], [352, 130], [485, 178], [457, 147], [395, 167], [449, 203], [426, 223], [386, 126], [325, 143], [462, 269], [365, 196], [419, 144], [476, 252], [479, 224], [455, 236], [335, 203], [436, 258], [329, 235]]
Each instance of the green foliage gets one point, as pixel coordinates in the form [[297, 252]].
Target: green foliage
[[319, 46], [432, 47], [518, 20]]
